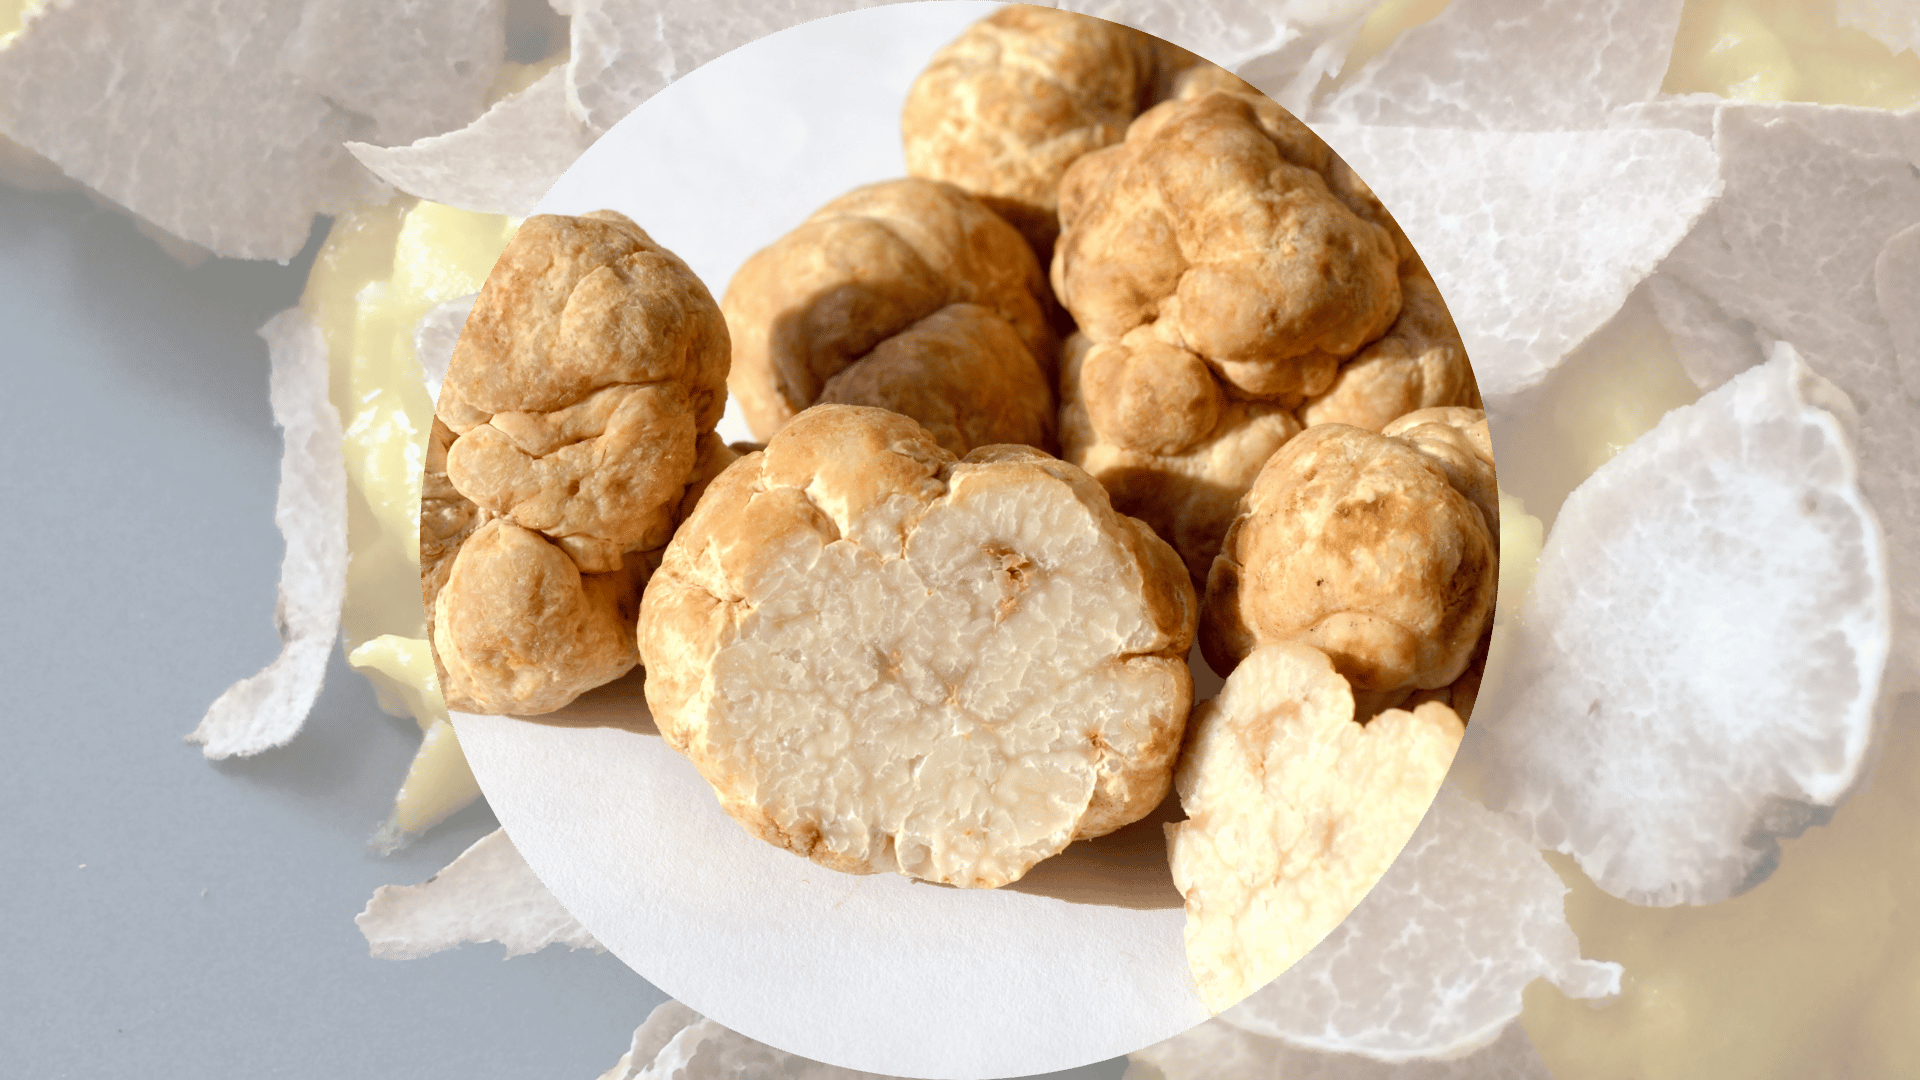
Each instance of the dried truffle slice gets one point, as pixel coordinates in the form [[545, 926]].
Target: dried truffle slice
[[229, 136], [1728, 547], [267, 709], [886, 659], [676, 1043], [1564, 64], [488, 893], [1294, 811], [501, 163], [1778, 272], [1217, 1050], [1433, 962], [1527, 279], [626, 50]]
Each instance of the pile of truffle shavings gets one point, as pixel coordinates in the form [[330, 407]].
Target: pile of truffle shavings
[[1778, 245]]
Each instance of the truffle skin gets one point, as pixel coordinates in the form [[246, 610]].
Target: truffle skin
[[1378, 549], [1420, 364], [875, 263], [1005, 108], [884, 658], [1214, 224], [1201, 451], [574, 428]]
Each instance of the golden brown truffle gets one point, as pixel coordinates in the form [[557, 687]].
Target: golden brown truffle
[[1009, 104], [1223, 243], [575, 421], [1379, 550], [885, 658], [907, 276]]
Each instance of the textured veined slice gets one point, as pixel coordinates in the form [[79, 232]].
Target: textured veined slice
[[502, 163], [487, 894], [1894, 23], [267, 709], [226, 130], [625, 51], [1536, 238], [1815, 194], [676, 1043], [1293, 810], [1432, 963], [885, 659], [1564, 64], [1709, 628], [1217, 1050]]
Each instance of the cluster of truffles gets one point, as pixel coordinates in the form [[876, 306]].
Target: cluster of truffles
[[902, 635]]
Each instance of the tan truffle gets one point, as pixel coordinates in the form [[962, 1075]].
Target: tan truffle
[[1294, 811], [574, 427], [1379, 550], [1005, 108], [906, 275], [1221, 243], [886, 659], [1420, 364], [1188, 495]]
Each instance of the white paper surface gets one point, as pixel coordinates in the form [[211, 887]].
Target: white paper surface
[[880, 974]]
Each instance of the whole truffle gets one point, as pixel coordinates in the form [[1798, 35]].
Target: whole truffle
[[884, 658], [1005, 108], [1377, 549], [1223, 264], [574, 426], [1420, 364], [906, 295]]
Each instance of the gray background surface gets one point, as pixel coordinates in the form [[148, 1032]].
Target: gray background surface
[[162, 915]]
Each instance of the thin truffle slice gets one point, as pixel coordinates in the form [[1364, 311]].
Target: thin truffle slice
[[1294, 811], [1217, 1050], [267, 709], [1729, 547], [676, 1043], [884, 658], [1537, 237], [1433, 962], [488, 893], [501, 163], [1563, 65], [224, 127]]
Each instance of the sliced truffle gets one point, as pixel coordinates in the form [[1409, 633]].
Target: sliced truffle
[[574, 428], [1294, 811], [905, 295], [1729, 547], [885, 658]]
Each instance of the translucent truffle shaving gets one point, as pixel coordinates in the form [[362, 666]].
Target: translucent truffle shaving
[[1728, 547], [1433, 962], [267, 709], [1293, 811]]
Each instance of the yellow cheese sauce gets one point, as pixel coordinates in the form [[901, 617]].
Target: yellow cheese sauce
[[377, 274]]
